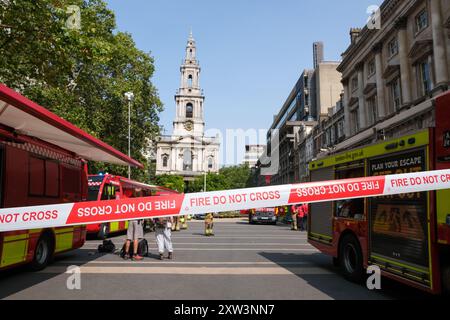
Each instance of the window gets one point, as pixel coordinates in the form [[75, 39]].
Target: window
[[371, 67], [354, 83], [372, 109], [424, 72], [190, 81], [421, 21], [351, 208], [354, 116], [210, 163], [393, 47], [187, 160], [396, 100], [165, 160], [189, 110]]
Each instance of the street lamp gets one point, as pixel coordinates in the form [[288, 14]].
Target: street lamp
[[129, 96]]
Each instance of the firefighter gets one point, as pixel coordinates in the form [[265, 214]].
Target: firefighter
[[176, 225], [294, 213], [183, 223], [209, 224]]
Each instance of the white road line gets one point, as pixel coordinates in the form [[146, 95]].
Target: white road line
[[232, 249], [237, 244], [182, 271], [203, 263]]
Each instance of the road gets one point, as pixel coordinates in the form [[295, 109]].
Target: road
[[241, 262]]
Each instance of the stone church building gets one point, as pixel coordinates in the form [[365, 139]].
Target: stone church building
[[187, 152]]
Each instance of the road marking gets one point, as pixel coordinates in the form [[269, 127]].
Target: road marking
[[233, 249], [180, 271], [212, 263], [238, 244]]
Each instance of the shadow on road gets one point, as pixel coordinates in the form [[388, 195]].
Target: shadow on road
[[319, 272], [21, 278]]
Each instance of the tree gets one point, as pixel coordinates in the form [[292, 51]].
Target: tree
[[172, 182], [81, 75], [235, 177]]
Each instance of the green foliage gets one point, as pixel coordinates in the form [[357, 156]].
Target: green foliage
[[81, 75], [172, 182], [235, 177]]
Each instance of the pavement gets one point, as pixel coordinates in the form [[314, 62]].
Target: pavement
[[250, 262]]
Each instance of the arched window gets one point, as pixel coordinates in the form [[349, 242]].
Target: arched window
[[190, 80], [189, 110], [187, 160], [210, 163], [165, 160]]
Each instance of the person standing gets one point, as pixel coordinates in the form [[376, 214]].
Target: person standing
[[300, 216], [209, 224], [294, 213], [163, 233], [305, 210], [135, 233]]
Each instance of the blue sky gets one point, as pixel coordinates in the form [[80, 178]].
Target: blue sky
[[251, 51]]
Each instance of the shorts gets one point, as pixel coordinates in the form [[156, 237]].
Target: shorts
[[135, 230]]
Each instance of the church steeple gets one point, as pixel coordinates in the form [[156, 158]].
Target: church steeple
[[189, 99]]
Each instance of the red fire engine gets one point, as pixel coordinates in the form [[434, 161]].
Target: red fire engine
[[42, 161], [407, 236], [107, 187]]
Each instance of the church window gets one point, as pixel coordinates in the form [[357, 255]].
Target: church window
[[165, 160], [189, 110], [210, 163], [190, 81], [187, 160]]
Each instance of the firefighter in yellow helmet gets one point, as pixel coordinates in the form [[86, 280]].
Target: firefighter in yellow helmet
[[183, 222], [209, 224]]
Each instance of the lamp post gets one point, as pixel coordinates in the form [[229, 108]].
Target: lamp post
[[129, 96]]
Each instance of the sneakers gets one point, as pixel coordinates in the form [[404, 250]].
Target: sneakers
[[161, 256], [170, 257], [137, 258]]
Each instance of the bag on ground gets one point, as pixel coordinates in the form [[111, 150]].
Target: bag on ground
[[142, 249], [107, 247]]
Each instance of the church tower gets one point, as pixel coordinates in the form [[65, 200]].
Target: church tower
[[188, 152], [189, 117]]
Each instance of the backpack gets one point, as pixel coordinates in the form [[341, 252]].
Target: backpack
[[107, 247], [142, 249]]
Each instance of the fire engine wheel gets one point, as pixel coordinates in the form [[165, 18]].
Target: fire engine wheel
[[42, 253], [351, 259], [104, 231]]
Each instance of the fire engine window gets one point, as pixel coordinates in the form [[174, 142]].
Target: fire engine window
[[51, 179], [350, 208], [36, 176], [109, 192]]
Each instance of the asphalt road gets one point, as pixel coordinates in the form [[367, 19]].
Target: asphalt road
[[241, 262]]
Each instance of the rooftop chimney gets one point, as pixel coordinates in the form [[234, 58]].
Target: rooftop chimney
[[318, 55], [354, 34]]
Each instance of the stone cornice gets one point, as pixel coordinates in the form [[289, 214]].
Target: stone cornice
[[387, 8]]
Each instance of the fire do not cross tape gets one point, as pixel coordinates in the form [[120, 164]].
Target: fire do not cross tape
[[68, 214]]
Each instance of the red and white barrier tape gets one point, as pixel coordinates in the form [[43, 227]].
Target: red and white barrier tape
[[60, 215]]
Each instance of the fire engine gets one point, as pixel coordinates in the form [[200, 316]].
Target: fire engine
[[108, 187], [43, 161], [406, 236]]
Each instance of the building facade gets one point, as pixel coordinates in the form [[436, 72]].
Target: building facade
[[391, 75], [187, 152], [252, 154], [315, 92]]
